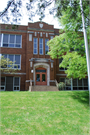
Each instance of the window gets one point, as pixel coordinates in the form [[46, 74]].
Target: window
[[51, 37], [67, 83], [14, 58], [0, 39], [46, 46], [13, 41], [35, 34], [40, 46], [35, 46], [40, 34], [2, 87], [61, 68], [16, 83], [30, 37], [80, 84], [46, 34]]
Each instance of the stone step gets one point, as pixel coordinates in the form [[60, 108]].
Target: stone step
[[44, 88]]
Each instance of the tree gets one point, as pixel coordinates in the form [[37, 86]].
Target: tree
[[6, 68], [14, 9], [70, 43]]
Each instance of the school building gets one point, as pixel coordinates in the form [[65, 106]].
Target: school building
[[27, 46]]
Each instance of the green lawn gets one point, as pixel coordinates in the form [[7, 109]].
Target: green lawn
[[45, 113]]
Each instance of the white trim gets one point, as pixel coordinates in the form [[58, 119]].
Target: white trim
[[44, 65]]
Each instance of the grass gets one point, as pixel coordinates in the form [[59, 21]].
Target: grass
[[45, 113]]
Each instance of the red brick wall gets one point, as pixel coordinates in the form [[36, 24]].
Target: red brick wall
[[26, 51]]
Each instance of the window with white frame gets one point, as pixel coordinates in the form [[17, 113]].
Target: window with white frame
[[16, 83], [46, 46], [80, 84], [12, 41], [40, 46], [14, 58], [2, 87], [35, 45], [61, 68], [30, 37], [35, 33], [40, 34], [46, 34]]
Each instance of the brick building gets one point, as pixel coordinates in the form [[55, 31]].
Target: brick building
[[27, 46]]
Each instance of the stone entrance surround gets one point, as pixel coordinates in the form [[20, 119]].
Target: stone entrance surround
[[43, 65]]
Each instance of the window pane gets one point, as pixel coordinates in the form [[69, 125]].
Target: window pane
[[38, 77], [18, 38], [12, 39], [17, 59], [2, 80], [62, 80], [85, 82], [51, 37], [46, 46], [30, 37], [11, 57], [43, 77], [35, 40], [79, 82], [40, 40], [0, 39], [11, 45], [5, 38], [74, 82], [40, 46], [5, 55], [35, 51], [40, 51], [16, 81], [35, 46]]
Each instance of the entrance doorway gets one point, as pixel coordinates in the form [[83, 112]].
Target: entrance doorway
[[41, 76]]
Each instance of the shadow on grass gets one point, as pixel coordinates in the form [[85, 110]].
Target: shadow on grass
[[81, 96]]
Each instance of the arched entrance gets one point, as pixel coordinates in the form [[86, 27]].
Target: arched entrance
[[42, 65], [41, 76]]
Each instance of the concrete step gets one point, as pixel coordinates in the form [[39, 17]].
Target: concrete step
[[44, 88]]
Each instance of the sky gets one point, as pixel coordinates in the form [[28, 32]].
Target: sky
[[48, 18]]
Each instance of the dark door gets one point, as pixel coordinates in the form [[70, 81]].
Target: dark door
[[9, 83]]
